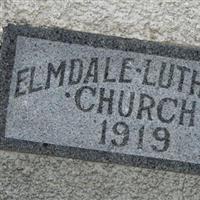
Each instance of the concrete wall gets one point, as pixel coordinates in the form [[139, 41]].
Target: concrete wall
[[26, 176]]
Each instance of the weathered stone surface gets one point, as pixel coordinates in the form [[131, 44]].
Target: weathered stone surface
[[94, 92], [171, 21], [25, 176]]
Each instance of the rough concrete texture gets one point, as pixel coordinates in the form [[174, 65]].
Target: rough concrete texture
[[25, 176]]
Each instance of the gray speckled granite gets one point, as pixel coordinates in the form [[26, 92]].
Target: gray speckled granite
[[48, 122]]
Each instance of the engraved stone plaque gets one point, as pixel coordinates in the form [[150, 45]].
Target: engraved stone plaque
[[100, 98]]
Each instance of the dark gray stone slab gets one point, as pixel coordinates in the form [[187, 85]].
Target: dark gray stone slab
[[100, 98]]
